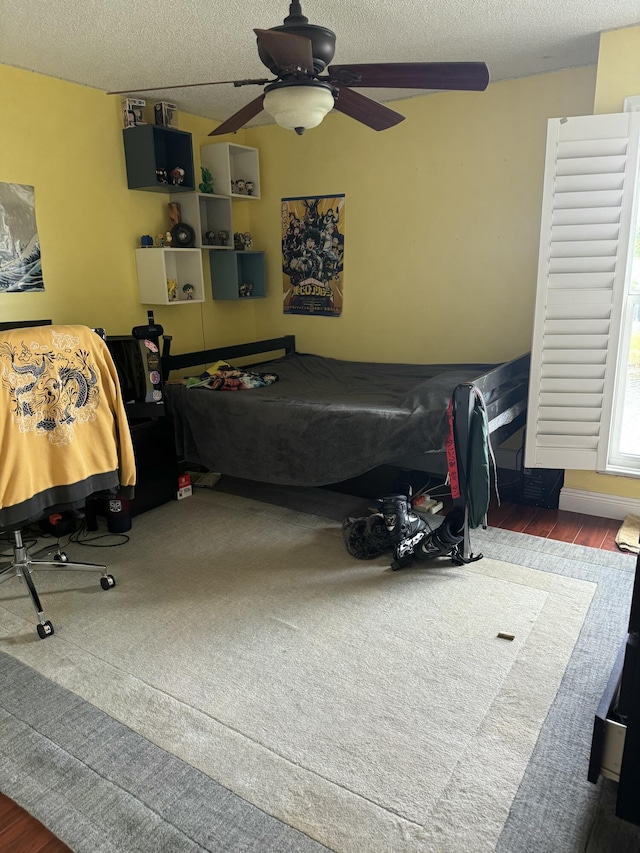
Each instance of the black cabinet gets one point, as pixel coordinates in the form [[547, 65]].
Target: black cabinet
[[615, 746], [156, 463], [149, 148]]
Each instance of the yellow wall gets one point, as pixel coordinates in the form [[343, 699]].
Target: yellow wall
[[442, 220], [618, 77], [618, 69], [66, 141]]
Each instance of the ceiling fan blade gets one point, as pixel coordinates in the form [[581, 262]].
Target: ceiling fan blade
[[287, 50], [191, 86], [413, 75], [366, 110], [237, 120]]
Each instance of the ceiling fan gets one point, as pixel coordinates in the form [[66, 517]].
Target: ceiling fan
[[300, 95]]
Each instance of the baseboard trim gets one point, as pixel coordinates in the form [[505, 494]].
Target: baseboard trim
[[596, 503]]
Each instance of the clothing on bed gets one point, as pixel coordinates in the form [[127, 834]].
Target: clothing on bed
[[324, 421], [63, 428], [223, 376]]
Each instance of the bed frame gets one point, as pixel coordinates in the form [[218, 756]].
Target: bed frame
[[506, 412]]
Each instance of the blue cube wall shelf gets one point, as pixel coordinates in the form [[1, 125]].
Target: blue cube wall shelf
[[230, 270], [149, 147]]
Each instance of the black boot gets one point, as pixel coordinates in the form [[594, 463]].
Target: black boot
[[442, 541], [400, 520]]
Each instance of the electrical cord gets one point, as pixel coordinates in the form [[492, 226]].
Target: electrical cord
[[90, 542], [60, 543]]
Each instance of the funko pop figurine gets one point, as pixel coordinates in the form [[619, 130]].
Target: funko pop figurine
[[188, 289], [177, 176], [210, 237], [249, 187], [161, 176], [223, 238], [240, 185], [207, 181], [242, 242]]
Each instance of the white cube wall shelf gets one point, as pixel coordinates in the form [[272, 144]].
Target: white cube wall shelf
[[231, 270], [229, 162], [156, 266], [206, 213]]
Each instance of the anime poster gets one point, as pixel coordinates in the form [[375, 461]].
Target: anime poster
[[313, 255], [20, 265]]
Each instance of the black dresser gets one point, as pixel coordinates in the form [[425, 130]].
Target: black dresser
[[615, 746]]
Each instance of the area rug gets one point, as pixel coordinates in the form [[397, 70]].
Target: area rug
[[355, 707]]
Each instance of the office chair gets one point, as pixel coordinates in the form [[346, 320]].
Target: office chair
[[22, 566], [64, 435]]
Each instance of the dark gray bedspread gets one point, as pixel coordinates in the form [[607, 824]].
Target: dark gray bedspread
[[324, 421]]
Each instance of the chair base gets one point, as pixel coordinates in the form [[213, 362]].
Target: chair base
[[22, 566]]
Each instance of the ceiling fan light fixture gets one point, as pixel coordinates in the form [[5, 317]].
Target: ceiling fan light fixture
[[298, 107]]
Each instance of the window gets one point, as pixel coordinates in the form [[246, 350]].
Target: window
[[584, 396], [624, 456]]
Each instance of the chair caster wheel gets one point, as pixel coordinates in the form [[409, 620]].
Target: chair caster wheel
[[61, 557], [107, 582], [45, 629]]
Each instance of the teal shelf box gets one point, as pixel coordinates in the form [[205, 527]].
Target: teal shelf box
[[148, 147], [231, 270]]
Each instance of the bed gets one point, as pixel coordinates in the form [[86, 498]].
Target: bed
[[326, 420]]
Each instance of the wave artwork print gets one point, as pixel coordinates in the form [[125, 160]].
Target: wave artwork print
[[20, 261]]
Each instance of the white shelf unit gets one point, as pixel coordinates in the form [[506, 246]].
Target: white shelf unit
[[205, 212], [155, 266], [229, 162]]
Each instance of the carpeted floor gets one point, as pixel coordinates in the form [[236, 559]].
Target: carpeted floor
[[343, 704]]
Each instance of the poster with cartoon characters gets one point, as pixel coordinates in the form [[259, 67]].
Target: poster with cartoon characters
[[313, 255]]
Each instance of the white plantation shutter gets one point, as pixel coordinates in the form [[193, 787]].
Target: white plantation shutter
[[591, 173]]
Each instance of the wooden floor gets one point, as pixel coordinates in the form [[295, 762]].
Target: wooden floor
[[558, 524], [20, 833]]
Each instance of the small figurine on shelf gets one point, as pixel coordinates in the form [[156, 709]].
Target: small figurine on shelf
[[166, 114], [245, 289], [188, 289], [168, 240], [233, 187], [133, 112], [238, 241], [239, 187], [249, 187], [172, 287], [159, 241], [210, 238], [207, 181], [177, 176], [223, 238], [174, 214], [247, 239], [146, 241], [161, 176]]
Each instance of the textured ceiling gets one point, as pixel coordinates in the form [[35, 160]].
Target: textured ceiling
[[123, 44]]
